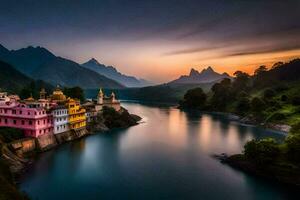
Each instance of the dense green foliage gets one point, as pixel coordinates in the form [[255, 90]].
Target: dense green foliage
[[114, 119], [266, 152], [267, 96], [262, 152], [194, 98], [74, 92]]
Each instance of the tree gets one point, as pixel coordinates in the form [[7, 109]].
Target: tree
[[295, 129], [269, 94], [293, 147], [278, 64], [222, 94], [260, 70], [257, 105], [194, 98], [243, 105], [74, 92], [262, 152], [241, 81]]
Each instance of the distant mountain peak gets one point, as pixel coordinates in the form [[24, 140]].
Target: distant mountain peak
[[94, 61], [112, 73], [194, 72], [3, 49], [205, 76], [208, 70]]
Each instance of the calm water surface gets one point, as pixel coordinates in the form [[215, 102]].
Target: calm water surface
[[166, 157]]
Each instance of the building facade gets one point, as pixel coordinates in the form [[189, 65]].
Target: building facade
[[60, 119], [110, 101], [34, 121], [77, 116]]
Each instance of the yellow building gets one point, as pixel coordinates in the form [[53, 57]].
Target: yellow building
[[77, 118]]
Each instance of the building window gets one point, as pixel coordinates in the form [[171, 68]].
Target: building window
[[23, 122], [14, 121], [28, 113], [5, 121], [14, 112], [30, 122], [34, 113], [20, 112], [38, 122]]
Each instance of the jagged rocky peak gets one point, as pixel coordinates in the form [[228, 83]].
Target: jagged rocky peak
[[205, 76], [194, 72], [208, 69]]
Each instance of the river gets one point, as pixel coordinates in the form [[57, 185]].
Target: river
[[168, 156]]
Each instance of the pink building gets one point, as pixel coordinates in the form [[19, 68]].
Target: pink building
[[35, 121]]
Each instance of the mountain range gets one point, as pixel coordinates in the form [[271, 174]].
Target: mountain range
[[13, 81], [207, 75], [8, 77], [113, 73], [40, 63]]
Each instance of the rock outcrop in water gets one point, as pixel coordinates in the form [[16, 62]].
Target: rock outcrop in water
[[281, 173]]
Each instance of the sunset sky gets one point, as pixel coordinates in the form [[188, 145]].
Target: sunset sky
[[159, 39]]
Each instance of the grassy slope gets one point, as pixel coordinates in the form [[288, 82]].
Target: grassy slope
[[290, 111]]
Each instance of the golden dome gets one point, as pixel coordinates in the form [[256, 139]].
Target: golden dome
[[58, 94]]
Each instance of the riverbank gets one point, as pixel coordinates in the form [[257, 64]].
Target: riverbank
[[247, 120], [281, 172], [17, 155]]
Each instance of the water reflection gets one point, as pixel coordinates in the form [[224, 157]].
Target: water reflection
[[167, 157]]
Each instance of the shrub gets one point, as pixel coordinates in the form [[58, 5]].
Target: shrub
[[293, 147], [243, 105], [277, 116], [262, 152], [295, 129], [296, 100], [281, 88], [284, 98], [257, 105], [269, 94]]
